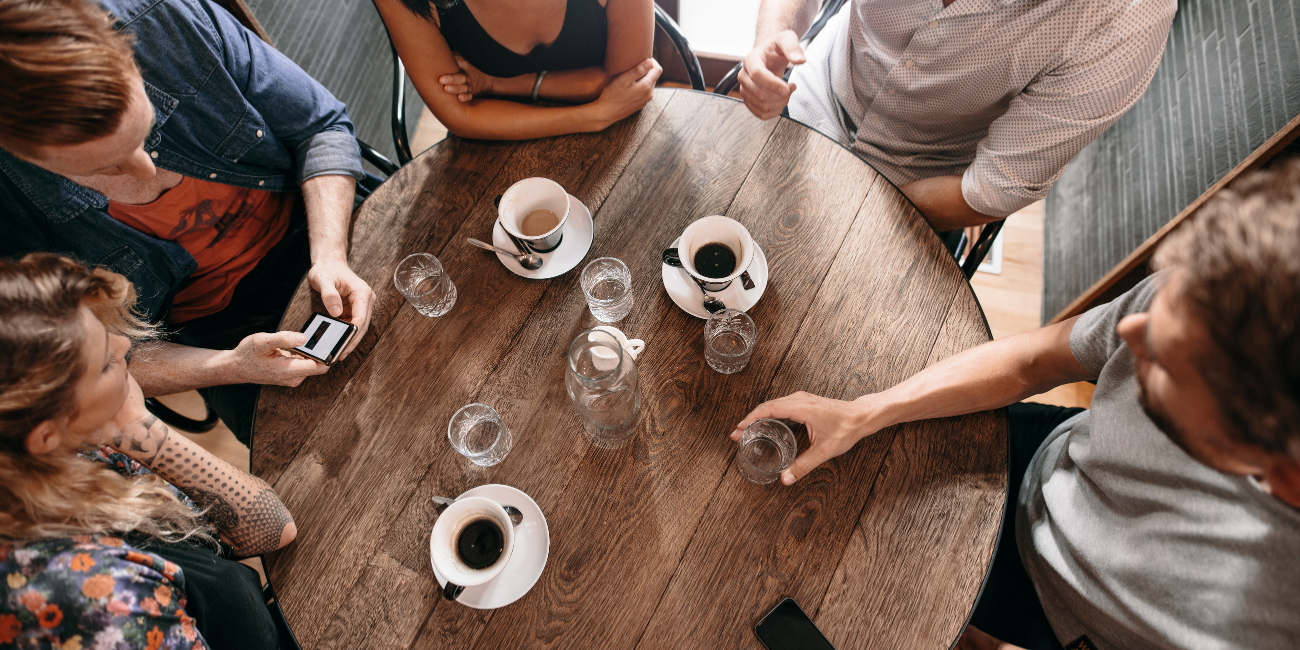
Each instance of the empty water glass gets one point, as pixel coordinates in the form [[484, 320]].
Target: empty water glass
[[477, 432], [607, 284], [766, 449], [729, 338], [421, 278]]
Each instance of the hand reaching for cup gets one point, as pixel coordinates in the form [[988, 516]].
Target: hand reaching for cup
[[834, 426], [762, 85]]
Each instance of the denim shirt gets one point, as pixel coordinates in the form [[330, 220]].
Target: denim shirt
[[227, 108]]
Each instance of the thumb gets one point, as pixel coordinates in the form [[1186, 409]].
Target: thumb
[[279, 340], [805, 463], [329, 295], [789, 44]]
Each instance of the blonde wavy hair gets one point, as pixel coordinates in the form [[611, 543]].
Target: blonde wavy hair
[[41, 361]]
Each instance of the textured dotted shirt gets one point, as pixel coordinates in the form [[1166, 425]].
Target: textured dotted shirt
[[1002, 92]]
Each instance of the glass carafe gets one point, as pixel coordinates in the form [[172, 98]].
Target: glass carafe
[[602, 383]]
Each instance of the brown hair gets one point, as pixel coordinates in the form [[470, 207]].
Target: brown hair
[[68, 75], [1238, 259], [41, 340]]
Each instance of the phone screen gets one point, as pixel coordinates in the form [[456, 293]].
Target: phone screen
[[786, 627], [325, 337]]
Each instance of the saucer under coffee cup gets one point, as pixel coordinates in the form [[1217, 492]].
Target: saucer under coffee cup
[[471, 544], [715, 250], [535, 210]]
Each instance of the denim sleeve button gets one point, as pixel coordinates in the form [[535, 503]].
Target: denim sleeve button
[[212, 175], [261, 183], [153, 154], [259, 133]]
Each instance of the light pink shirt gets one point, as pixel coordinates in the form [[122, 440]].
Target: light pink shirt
[[1002, 92]]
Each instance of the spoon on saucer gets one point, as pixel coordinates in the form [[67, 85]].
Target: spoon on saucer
[[711, 303], [530, 261], [516, 517]]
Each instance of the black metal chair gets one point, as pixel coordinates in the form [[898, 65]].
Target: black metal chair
[[402, 141], [287, 640]]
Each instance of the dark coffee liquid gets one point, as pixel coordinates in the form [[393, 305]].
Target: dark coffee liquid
[[480, 544], [715, 260]]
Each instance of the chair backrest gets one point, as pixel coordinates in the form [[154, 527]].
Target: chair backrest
[[692, 62]]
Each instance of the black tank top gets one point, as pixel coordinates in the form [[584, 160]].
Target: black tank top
[[581, 43]]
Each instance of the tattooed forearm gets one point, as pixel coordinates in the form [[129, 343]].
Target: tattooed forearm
[[243, 507], [143, 440]]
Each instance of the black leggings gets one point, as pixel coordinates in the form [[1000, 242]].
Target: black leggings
[[223, 597], [1009, 608]]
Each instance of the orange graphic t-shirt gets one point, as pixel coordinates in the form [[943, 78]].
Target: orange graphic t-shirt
[[227, 229]]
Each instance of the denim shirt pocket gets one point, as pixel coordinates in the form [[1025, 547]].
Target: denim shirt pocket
[[248, 132]]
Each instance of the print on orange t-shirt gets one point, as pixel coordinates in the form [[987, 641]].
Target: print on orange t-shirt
[[227, 229]]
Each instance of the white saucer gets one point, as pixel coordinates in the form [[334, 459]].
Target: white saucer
[[579, 230], [683, 290], [532, 547]]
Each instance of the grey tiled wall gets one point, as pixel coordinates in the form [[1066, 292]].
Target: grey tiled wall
[[1229, 80], [342, 43]]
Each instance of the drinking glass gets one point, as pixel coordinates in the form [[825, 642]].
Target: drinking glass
[[602, 382], [607, 283], [477, 432], [766, 449], [729, 338], [421, 278]]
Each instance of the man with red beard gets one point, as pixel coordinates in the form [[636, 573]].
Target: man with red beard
[[1168, 514]]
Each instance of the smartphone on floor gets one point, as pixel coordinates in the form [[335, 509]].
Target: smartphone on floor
[[786, 627], [326, 338]]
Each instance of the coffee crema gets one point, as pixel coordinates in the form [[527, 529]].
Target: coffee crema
[[715, 260], [538, 222], [480, 544]]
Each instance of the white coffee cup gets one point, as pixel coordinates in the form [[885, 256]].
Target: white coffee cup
[[534, 194], [446, 532], [716, 230]]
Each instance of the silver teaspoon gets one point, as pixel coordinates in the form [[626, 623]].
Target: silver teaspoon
[[530, 261]]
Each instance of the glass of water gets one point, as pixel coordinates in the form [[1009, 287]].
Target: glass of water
[[477, 432], [421, 278], [766, 449], [729, 338], [607, 284]]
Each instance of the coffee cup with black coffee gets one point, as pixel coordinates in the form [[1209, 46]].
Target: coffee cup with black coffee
[[535, 210], [715, 250], [471, 543]]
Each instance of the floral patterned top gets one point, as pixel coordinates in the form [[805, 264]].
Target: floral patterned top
[[93, 592]]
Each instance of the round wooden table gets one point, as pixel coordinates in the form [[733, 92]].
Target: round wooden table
[[661, 543]]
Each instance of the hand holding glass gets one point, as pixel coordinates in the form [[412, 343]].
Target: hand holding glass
[[766, 449]]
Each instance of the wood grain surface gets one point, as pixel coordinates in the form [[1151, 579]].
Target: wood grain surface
[[659, 543]]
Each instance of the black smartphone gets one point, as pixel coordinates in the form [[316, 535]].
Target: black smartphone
[[786, 627], [326, 338]]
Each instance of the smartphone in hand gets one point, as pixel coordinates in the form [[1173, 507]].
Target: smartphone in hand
[[326, 338]]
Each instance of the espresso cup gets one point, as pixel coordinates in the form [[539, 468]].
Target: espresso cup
[[531, 195], [445, 545], [711, 231]]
